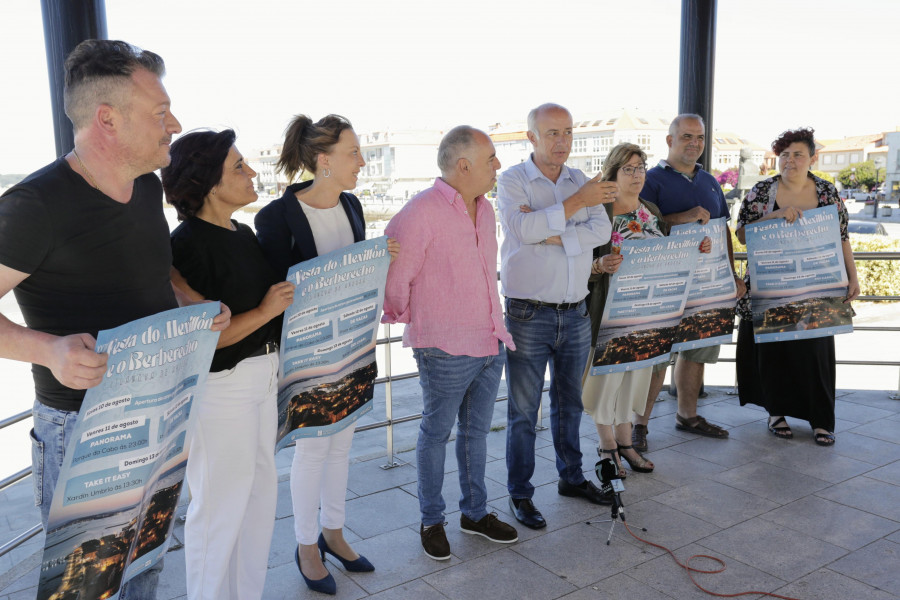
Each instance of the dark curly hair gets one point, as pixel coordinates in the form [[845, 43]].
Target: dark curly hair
[[803, 135], [305, 140], [198, 158]]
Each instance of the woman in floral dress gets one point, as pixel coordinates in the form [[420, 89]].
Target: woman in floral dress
[[794, 378], [612, 398]]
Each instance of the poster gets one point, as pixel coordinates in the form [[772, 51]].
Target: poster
[[708, 318], [112, 512], [798, 280], [327, 375], [646, 299]]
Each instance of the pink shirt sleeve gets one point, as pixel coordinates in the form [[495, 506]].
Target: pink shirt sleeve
[[413, 239]]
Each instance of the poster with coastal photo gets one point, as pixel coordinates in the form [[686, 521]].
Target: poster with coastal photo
[[645, 302], [113, 508], [708, 318], [327, 376], [798, 280]]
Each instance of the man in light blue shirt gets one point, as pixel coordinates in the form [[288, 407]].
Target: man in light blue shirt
[[552, 220]]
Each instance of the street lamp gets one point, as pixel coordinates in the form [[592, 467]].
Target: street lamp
[[878, 161]]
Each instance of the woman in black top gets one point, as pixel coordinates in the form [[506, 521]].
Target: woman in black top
[[231, 468]]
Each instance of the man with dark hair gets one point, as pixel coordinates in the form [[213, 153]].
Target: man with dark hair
[[552, 220], [685, 193], [443, 285], [85, 246]]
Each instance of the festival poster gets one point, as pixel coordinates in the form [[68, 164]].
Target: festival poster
[[645, 302], [113, 509], [328, 370], [708, 318], [798, 280]]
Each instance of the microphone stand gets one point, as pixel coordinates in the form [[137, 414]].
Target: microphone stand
[[611, 484]]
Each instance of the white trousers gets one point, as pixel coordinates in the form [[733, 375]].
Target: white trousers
[[610, 399], [319, 478], [233, 482]]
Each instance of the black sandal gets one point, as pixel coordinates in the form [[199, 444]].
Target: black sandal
[[825, 439], [780, 431], [614, 455], [640, 464]]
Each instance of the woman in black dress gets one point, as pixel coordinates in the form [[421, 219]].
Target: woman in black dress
[[791, 378]]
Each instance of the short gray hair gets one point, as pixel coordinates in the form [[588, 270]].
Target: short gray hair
[[676, 122], [535, 112], [453, 145], [99, 72]]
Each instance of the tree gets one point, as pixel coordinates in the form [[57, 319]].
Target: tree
[[865, 175], [823, 175]]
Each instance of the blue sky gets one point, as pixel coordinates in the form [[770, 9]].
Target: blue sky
[[407, 63]]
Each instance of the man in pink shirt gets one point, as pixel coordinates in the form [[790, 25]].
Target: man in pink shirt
[[444, 287]]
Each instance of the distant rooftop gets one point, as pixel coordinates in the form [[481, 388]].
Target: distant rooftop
[[856, 142]]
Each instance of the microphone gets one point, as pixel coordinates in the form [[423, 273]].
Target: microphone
[[611, 483]]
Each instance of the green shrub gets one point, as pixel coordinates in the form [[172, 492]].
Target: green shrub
[[877, 277]]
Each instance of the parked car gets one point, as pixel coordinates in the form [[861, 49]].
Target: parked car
[[866, 228]]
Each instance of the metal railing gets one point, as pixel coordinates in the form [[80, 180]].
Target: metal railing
[[12, 480], [390, 421]]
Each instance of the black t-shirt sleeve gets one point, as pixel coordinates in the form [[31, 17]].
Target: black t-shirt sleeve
[[25, 230]]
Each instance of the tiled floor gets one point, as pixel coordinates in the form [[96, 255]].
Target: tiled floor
[[785, 516]]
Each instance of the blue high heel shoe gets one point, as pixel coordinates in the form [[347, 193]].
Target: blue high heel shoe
[[360, 565], [326, 585]]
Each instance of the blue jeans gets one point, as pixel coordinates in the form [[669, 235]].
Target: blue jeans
[[463, 388], [52, 431], [561, 338]]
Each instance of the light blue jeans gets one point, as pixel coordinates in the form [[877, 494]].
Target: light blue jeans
[[561, 338], [52, 431], [461, 389]]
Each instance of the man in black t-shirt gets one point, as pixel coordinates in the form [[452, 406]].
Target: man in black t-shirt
[[85, 245]]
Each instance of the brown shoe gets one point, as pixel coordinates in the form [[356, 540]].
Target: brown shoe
[[700, 426], [639, 437]]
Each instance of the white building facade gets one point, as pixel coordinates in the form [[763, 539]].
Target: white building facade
[[892, 166], [592, 139], [398, 163]]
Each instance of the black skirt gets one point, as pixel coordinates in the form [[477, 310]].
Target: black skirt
[[793, 378]]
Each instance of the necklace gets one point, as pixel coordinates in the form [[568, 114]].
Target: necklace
[[85, 169]]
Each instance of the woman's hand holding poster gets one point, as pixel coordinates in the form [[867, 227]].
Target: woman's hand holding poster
[[646, 299], [328, 368], [798, 279]]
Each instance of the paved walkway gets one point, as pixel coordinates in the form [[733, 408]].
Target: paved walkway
[[786, 516]]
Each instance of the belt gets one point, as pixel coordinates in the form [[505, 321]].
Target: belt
[[267, 348], [553, 305]]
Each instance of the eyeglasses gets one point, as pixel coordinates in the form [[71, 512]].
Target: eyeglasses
[[634, 170]]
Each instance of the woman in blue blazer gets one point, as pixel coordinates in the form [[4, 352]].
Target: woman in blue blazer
[[284, 231], [313, 218]]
